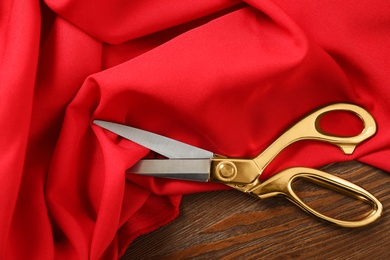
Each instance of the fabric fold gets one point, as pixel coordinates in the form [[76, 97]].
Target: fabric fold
[[19, 45]]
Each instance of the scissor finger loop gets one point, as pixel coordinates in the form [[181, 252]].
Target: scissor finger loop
[[282, 184]]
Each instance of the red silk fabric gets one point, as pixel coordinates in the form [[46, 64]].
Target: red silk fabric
[[226, 76]]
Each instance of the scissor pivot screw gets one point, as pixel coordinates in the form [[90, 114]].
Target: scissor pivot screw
[[226, 171]]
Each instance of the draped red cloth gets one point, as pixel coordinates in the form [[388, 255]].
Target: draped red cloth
[[222, 75]]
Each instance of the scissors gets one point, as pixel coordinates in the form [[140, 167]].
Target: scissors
[[192, 163]]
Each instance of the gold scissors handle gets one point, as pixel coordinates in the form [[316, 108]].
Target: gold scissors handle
[[243, 174], [309, 129], [281, 184]]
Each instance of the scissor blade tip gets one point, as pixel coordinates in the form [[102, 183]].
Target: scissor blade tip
[[97, 122], [104, 124]]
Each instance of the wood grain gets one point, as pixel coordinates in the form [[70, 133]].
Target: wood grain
[[233, 225]]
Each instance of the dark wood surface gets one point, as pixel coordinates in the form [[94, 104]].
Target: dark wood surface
[[233, 225]]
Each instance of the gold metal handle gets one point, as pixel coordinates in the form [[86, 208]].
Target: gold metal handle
[[308, 129], [281, 184]]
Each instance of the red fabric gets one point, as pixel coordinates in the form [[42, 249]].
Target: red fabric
[[225, 76]]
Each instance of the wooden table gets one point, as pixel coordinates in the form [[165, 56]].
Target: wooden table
[[232, 225]]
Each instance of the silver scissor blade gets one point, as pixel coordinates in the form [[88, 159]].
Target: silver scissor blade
[[163, 145], [182, 169]]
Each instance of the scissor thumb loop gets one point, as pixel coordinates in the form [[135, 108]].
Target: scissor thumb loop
[[308, 128], [346, 143]]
